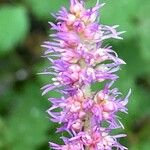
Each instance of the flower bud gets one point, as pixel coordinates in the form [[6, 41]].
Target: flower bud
[[71, 19], [76, 9], [77, 125], [108, 106]]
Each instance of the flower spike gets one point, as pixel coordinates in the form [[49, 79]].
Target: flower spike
[[78, 58]]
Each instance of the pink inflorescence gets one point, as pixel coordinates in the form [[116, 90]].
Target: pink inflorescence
[[77, 60]]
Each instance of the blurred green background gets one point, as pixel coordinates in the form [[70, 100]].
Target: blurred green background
[[24, 125]]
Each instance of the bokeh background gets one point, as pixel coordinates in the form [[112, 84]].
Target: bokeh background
[[24, 124]]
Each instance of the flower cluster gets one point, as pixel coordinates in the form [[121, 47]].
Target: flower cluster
[[77, 60]]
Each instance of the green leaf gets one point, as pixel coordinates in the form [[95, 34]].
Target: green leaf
[[2, 133], [28, 124], [14, 26], [145, 43], [144, 32], [42, 9]]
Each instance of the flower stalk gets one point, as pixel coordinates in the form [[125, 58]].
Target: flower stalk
[[79, 59]]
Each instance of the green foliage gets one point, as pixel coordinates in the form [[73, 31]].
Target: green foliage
[[27, 124], [42, 8], [143, 27], [14, 27]]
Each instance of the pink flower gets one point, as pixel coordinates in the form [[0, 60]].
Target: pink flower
[[77, 60]]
